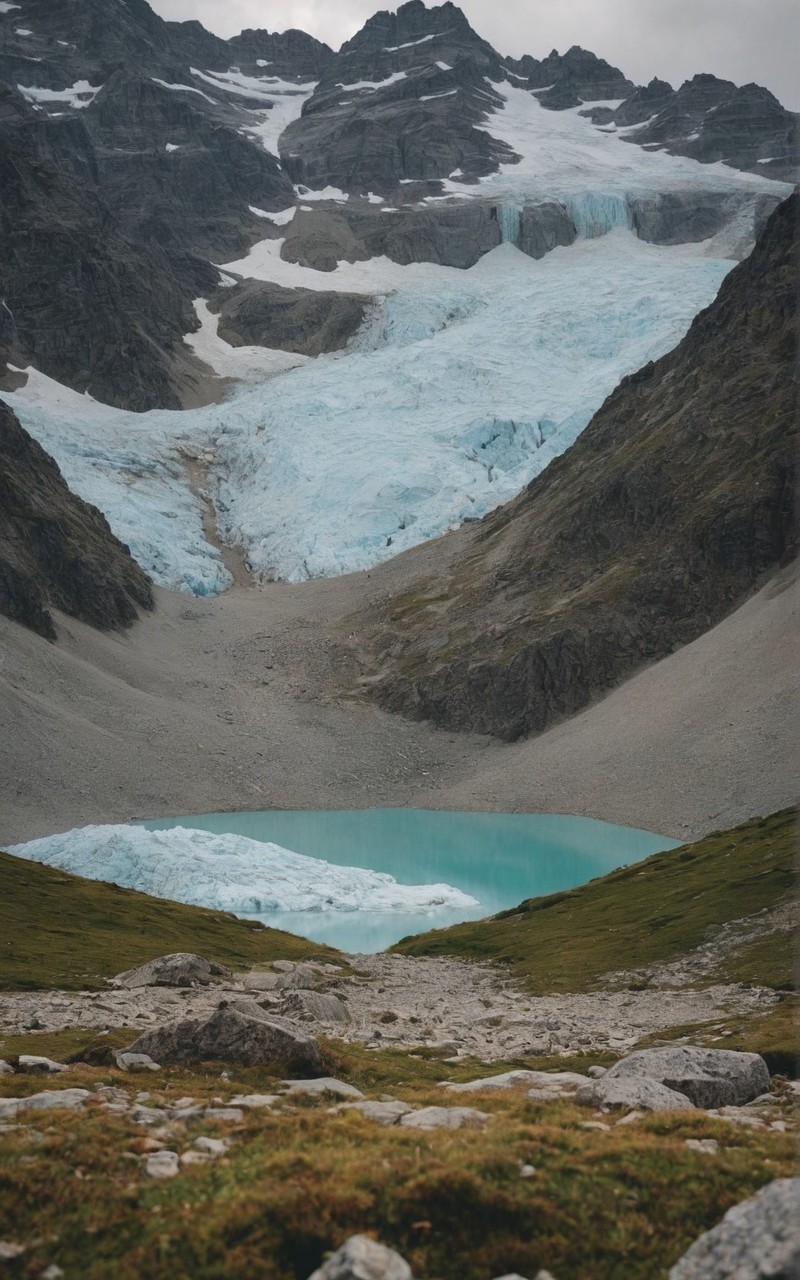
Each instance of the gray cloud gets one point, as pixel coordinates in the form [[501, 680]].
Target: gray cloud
[[741, 40]]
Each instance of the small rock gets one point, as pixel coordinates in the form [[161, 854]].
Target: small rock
[[135, 1062], [363, 1259], [445, 1118], [594, 1124], [254, 1100], [195, 1157], [225, 1115], [6, 1068], [317, 1005], [630, 1118], [10, 1251], [325, 1084], [707, 1146], [442, 1048], [162, 1164], [596, 1072], [52, 1272], [283, 966], [70, 1099], [148, 1116], [386, 1113], [33, 1065], [527, 1171], [260, 981], [211, 1146], [631, 1092]]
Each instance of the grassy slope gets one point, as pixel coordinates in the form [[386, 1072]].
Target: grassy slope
[[59, 930], [299, 1180], [653, 911]]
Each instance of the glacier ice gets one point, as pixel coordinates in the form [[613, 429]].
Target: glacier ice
[[230, 872]]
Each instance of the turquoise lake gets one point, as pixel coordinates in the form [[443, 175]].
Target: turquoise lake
[[498, 858]]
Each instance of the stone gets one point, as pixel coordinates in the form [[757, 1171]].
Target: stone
[[52, 1272], [554, 1081], [180, 969], [211, 1146], [33, 1065], [231, 1036], [445, 1118], [324, 1084], [706, 1146], [756, 1239], [596, 1072], [10, 1250], [162, 1164], [6, 1068], [261, 981], [385, 1113], [135, 1062], [254, 1101], [708, 1077], [363, 1259], [225, 1115], [48, 1100], [527, 1171], [149, 1116], [632, 1092], [283, 966], [317, 1005]]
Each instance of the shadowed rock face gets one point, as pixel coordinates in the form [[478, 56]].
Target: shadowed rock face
[[299, 320], [55, 549], [658, 522]]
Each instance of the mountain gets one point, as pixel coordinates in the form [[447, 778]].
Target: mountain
[[665, 514], [56, 551], [170, 144]]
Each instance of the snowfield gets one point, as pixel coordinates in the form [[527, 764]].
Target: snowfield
[[230, 872]]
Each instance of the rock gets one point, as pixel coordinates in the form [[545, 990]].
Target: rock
[[306, 321], [595, 1124], [10, 1250], [553, 1081], [181, 969], [445, 1118], [52, 1272], [6, 1068], [150, 1117], [442, 1048], [135, 1062], [629, 1091], [48, 1100], [756, 1239], [385, 1113], [283, 966], [56, 550], [211, 1146], [596, 1072], [324, 1084], [33, 1065], [708, 1077], [254, 1101], [363, 1259], [706, 1146], [261, 981], [225, 1115], [162, 1164], [301, 977], [318, 1006], [552, 1085], [231, 1036]]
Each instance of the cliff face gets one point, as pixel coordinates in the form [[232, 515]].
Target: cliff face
[[55, 549], [675, 501]]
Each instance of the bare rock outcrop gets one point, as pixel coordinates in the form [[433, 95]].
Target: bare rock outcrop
[[229, 1035]]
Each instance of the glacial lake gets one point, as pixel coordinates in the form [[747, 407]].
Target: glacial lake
[[498, 858]]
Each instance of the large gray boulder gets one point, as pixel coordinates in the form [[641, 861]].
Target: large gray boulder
[[756, 1240], [363, 1259], [708, 1077], [632, 1091], [230, 1035], [181, 969]]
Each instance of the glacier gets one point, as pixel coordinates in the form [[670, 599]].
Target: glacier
[[461, 386], [231, 872]]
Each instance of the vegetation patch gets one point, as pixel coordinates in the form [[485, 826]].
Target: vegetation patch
[[61, 931], [641, 915]]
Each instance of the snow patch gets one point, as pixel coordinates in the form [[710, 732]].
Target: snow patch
[[374, 84], [280, 219], [230, 872], [79, 95], [410, 44], [171, 146], [182, 88], [429, 97], [5, 7]]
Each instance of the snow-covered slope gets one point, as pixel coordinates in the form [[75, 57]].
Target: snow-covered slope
[[230, 872]]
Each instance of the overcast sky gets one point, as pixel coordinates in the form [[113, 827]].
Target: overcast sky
[[741, 40]]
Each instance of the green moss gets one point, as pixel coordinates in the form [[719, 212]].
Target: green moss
[[641, 915], [58, 930]]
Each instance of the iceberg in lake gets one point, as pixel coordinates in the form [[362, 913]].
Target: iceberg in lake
[[230, 872]]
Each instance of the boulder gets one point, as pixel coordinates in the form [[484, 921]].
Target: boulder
[[317, 1006], [363, 1259], [756, 1239], [181, 969], [48, 1100], [162, 1164], [547, 1081], [135, 1062], [445, 1118], [36, 1066], [231, 1036], [708, 1077], [6, 1068], [385, 1113], [631, 1091]]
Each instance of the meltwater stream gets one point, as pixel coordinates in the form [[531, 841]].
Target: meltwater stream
[[497, 858]]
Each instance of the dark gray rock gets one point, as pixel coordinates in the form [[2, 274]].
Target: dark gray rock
[[758, 1239], [363, 1259], [708, 1077], [302, 320], [571, 78], [675, 217], [180, 969], [57, 551], [544, 226], [231, 1036]]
